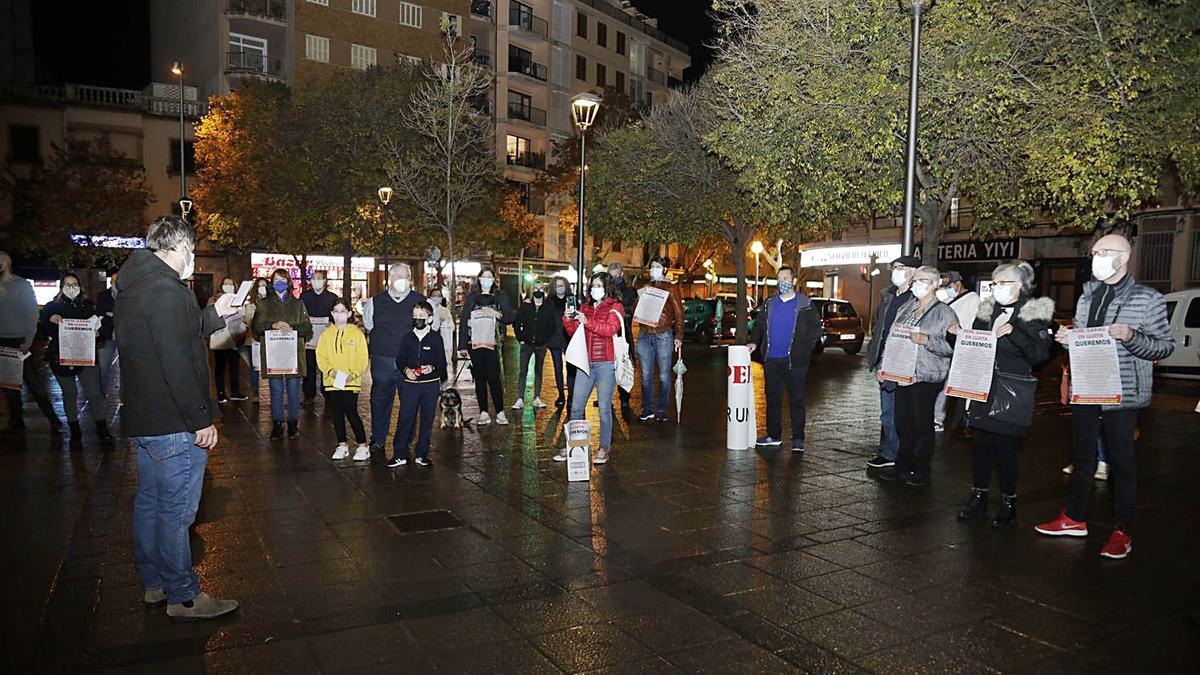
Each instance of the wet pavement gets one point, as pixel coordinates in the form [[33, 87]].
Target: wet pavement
[[679, 555]]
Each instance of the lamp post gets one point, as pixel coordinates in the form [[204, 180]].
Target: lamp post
[[385, 196], [583, 110], [177, 70], [918, 8], [185, 207], [756, 247]]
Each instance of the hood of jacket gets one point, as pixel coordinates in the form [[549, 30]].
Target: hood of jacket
[[1032, 309]]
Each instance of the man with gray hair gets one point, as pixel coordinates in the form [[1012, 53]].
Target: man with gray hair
[[387, 317], [168, 413], [18, 326]]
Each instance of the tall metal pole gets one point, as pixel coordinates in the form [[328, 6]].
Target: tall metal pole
[[757, 282], [386, 268], [182, 156], [910, 180], [579, 260]]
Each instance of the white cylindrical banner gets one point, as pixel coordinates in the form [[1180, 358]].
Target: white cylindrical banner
[[740, 401]]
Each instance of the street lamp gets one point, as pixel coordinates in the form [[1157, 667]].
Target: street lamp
[[756, 247], [918, 8], [177, 70], [185, 207], [385, 196], [583, 110]]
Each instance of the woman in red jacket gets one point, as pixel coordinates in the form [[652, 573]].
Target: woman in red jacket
[[601, 317]]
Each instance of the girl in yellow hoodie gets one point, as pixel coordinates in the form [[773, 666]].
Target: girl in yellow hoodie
[[342, 358]]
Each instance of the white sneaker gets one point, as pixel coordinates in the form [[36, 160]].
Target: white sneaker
[[1070, 468], [341, 452], [518, 405], [484, 419], [501, 419], [538, 403], [561, 456], [362, 454], [1101, 471]]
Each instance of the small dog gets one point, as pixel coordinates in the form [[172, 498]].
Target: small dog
[[452, 415]]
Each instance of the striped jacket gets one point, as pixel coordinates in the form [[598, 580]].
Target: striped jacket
[[1145, 311]]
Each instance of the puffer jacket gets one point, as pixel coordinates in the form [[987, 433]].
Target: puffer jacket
[[1019, 352], [1144, 309], [603, 322], [933, 357]]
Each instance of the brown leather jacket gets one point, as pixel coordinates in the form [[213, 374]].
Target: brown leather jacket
[[672, 314]]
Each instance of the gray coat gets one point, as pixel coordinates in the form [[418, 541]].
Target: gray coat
[[933, 357], [1145, 311]]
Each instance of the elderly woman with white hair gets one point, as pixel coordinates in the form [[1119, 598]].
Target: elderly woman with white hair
[[929, 318]]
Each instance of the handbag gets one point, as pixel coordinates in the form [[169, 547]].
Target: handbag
[[622, 364], [1010, 400]]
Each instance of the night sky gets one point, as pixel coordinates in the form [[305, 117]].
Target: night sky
[[107, 43]]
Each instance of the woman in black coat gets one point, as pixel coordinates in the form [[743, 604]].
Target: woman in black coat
[[537, 322], [1022, 327], [72, 303], [558, 342]]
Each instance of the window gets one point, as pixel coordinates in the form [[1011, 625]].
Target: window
[[836, 310], [1192, 318], [454, 21], [581, 24], [650, 104], [580, 67], [362, 57], [410, 15], [365, 7], [601, 34], [517, 149], [190, 149], [316, 48], [1194, 274], [620, 81], [1154, 263], [320, 2], [24, 146], [247, 53], [637, 90], [519, 105], [620, 43], [616, 245], [637, 59], [601, 75]]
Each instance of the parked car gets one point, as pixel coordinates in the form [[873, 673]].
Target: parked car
[[1183, 314], [841, 326], [701, 323]]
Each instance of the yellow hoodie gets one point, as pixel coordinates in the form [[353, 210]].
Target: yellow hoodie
[[343, 349]]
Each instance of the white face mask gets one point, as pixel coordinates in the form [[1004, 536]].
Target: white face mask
[[318, 285], [486, 283], [899, 278], [262, 291], [71, 293], [1103, 267], [189, 264], [435, 301], [561, 291], [1004, 294], [228, 288], [340, 319], [943, 294], [597, 293], [920, 289], [656, 273], [401, 285]]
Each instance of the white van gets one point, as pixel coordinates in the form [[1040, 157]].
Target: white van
[[1183, 313]]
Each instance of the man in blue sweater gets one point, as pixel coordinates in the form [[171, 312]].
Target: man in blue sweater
[[387, 317]]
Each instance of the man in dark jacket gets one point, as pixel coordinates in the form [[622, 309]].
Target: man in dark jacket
[[891, 300], [319, 303], [106, 345], [168, 414], [627, 296], [784, 335]]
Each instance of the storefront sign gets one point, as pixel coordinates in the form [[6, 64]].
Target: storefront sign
[[835, 256], [108, 241], [264, 264], [972, 250]]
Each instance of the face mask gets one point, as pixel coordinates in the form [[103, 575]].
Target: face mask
[[401, 285], [262, 291], [920, 289], [189, 264], [1004, 294], [597, 293], [318, 285], [1103, 267], [228, 288], [538, 295], [280, 286], [785, 287], [419, 324], [435, 301], [943, 295], [340, 319], [619, 280], [71, 292], [656, 274], [560, 292], [486, 283], [899, 278]]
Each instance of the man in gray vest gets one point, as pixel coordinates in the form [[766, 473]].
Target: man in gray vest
[[387, 317]]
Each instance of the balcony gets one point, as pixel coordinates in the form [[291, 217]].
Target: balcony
[[481, 104], [482, 58], [674, 83], [532, 160], [528, 22], [106, 97], [528, 68], [267, 9], [527, 113], [656, 76], [252, 63], [481, 9]]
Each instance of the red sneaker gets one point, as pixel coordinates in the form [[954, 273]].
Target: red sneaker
[[1063, 526], [1119, 545]]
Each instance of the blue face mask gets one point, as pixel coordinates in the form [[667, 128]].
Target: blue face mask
[[785, 287], [280, 286]]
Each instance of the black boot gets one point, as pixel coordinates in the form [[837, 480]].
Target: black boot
[[976, 507], [293, 428], [1006, 515], [276, 430], [102, 432], [76, 432]]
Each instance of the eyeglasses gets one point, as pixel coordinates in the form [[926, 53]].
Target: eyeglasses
[[1106, 252], [70, 285]]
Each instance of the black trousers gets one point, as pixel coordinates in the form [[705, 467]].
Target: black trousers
[[571, 370], [1088, 422], [485, 368], [556, 355], [227, 362], [989, 448], [538, 354], [914, 424], [418, 401], [782, 374], [311, 375], [344, 405], [34, 374]]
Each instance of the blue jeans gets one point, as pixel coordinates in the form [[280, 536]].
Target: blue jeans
[[277, 384], [170, 477], [604, 380], [385, 380], [889, 438], [655, 350], [250, 369]]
